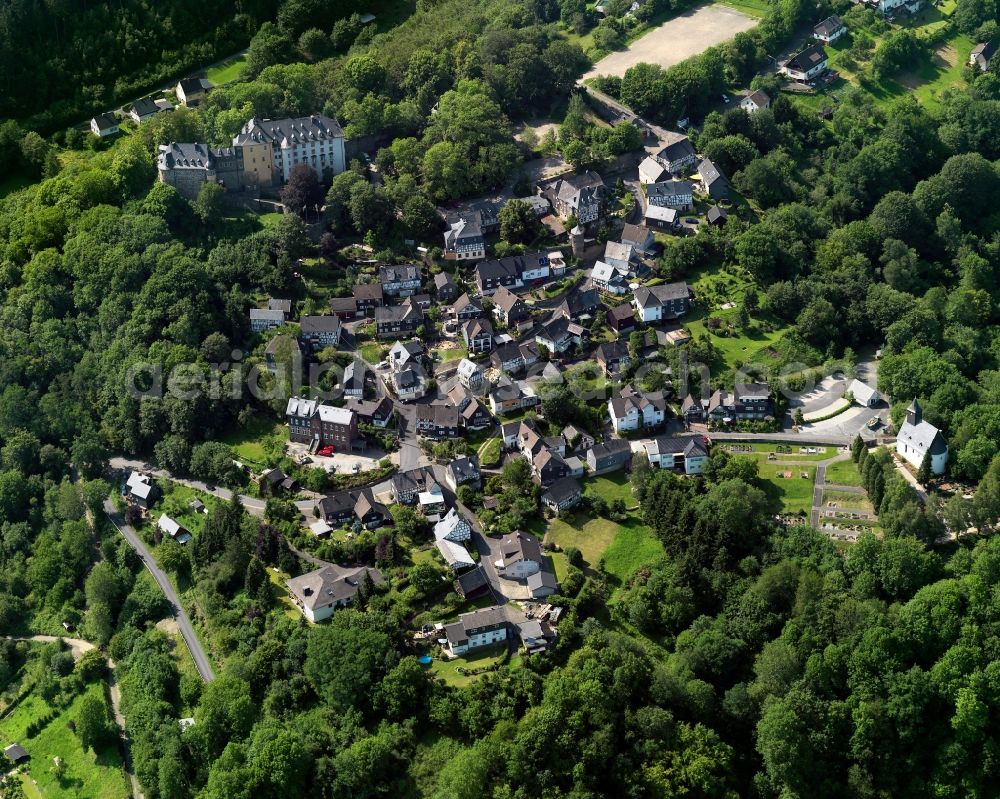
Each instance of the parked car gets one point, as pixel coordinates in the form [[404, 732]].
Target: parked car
[[725, 98], [325, 451]]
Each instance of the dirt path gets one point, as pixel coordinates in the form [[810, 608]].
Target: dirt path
[[77, 645], [677, 40]]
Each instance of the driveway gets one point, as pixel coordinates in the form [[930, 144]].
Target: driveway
[[201, 661]]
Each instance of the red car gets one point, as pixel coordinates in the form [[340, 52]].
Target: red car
[[325, 450]]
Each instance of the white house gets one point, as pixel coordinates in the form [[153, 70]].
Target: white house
[[916, 438], [633, 409], [520, 556], [104, 125], [656, 303], [677, 194], [829, 30], [318, 593], [652, 171], [755, 101], [608, 278], [685, 454], [475, 630], [470, 374], [807, 64], [452, 528]]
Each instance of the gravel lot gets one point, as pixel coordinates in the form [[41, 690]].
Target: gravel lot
[[677, 39]]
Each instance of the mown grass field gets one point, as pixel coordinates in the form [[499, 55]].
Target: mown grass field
[[447, 670], [87, 773], [253, 442], [789, 494], [844, 473], [227, 71]]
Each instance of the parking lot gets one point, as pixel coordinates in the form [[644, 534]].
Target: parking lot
[[339, 462]]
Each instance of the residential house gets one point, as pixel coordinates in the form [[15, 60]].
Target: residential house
[[863, 394], [453, 527], [465, 307], [405, 487], [660, 217], [676, 194], [512, 398], [445, 288], [619, 255], [353, 381], [982, 54], [560, 334], [621, 319], [470, 374], [610, 278], [377, 413], [463, 241], [633, 409], [580, 196], [348, 507], [104, 125], [652, 171], [275, 480], [319, 593], [580, 303], [577, 439], [141, 490], [310, 421], [639, 237], [520, 556], [391, 321], [748, 401], [455, 556], [471, 411], [562, 495], [712, 181], [509, 308], [612, 455], [829, 30], [266, 319], [806, 64], [662, 303], [431, 502], [409, 382], [549, 466], [755, 101], [476, 629], [172, 528], [400, 281], [557, 264], [613, 356], [321, 331], [478, 335], [344, 307], [147, 108], [716, 216], [918, 438], [463, 471], [677, 156], [508, 358], [367, 297], [438, 421], [190, 91], [491, 275], [684, 454], [283, 352]]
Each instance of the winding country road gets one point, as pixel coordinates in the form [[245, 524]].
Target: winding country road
[[201, 661]]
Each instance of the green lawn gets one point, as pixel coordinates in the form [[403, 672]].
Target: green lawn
[[490, 453], [635, 546], [269, 219], [255, 442], [789, 494], [844, 473], [847, 499], [448, 670], [175, 504], [752, 8], [86, 774], [227, 71], [371, 351], [591, 536], [451, 354], [611, 487]]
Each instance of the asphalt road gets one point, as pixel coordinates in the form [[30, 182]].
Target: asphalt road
[[201, 661]]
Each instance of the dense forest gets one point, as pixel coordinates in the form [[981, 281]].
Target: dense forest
[[751, 659]]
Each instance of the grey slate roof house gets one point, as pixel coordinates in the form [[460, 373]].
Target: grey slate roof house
[[400, 281], [677, 156], [982, 54], [321, 331], [562, 495], [609, 456], [581, 196], [713, 182]]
